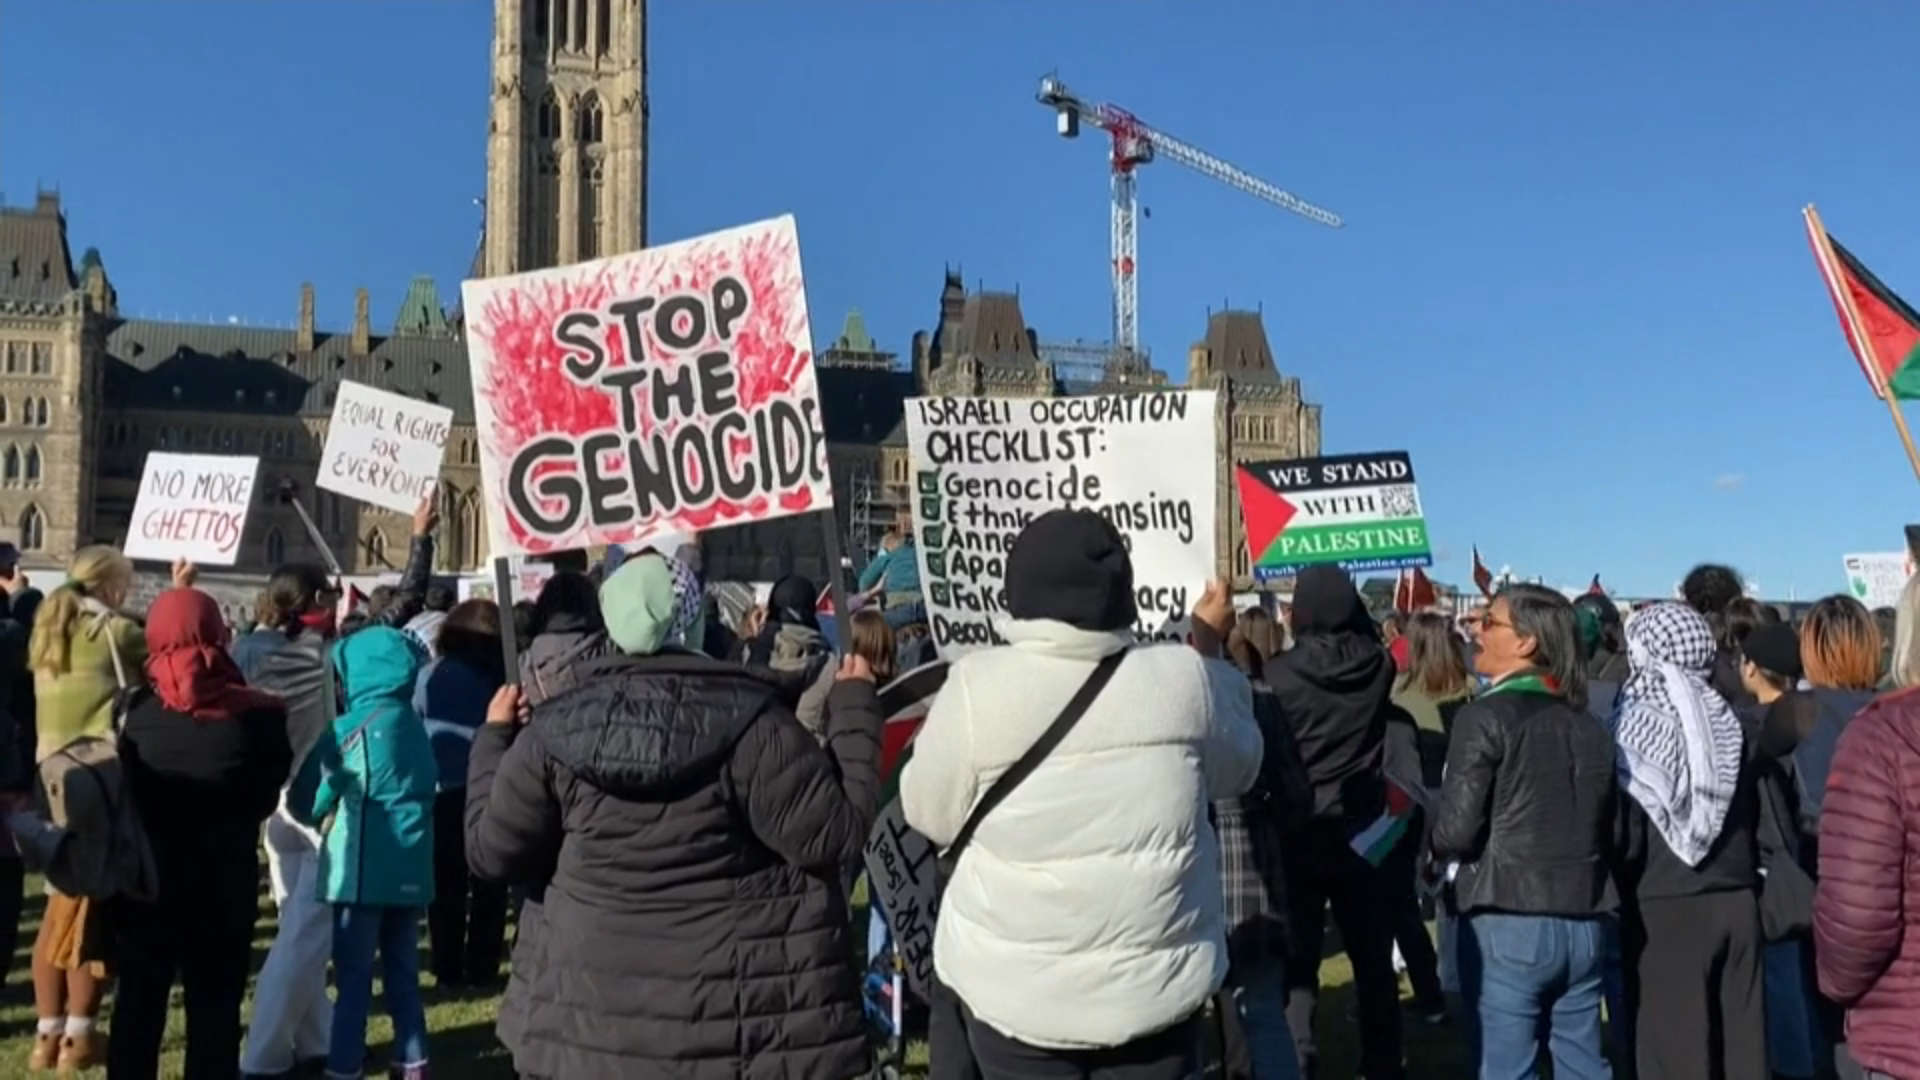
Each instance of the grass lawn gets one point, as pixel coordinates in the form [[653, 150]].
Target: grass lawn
[[463, 1045]]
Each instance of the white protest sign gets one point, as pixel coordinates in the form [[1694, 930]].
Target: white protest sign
[[1877, 579], [193, 507], [382, 448], [985, 467], [665, 389], [902, 866]]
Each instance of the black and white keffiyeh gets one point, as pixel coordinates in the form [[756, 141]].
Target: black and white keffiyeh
[[1680, 745]]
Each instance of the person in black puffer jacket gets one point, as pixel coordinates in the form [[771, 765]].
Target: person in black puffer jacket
[[690, 836], [1335, 690], [1528, 813]]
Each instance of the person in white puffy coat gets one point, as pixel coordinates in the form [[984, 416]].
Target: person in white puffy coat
[[1084, 923]]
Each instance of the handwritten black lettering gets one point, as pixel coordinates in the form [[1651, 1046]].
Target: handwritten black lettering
[[682, 440]]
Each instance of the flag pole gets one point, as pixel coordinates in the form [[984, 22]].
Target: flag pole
[[1830, 269]]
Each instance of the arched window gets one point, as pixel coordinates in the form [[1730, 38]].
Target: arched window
[[579, 25], [3, 410], [561, 9], [33, 530], [32, 467], [446, 533], [603, 25], [592, 119], [376, 547], [42, 415], [10, 465], [550, 115], [469, 531], [592, 197], [276, 548]]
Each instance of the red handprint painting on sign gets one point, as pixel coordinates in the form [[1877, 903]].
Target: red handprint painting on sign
[[668, 389]]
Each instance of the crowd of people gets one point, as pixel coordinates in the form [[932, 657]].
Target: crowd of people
[[1678, 845]]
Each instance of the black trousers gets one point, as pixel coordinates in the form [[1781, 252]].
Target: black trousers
[[949, 1052], [13, 899], [1694, 964], [1401, 869], [467, 921], [201, 932], [1173, 1054], [1323, 872]]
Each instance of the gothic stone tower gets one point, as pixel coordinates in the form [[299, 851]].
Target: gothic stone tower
[[567, 143]]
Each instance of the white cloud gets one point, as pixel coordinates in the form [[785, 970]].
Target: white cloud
[[1729, 481]]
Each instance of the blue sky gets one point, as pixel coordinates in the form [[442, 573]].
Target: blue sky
[[1573, 282]]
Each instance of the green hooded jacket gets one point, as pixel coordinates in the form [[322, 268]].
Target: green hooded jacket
[[369, 785]]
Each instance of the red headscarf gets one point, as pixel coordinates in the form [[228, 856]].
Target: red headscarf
[[187, 660]]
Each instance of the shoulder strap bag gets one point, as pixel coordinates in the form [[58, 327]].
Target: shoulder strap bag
[[1004, 784]]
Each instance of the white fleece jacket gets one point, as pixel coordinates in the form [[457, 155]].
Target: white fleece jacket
[[1087, 911]]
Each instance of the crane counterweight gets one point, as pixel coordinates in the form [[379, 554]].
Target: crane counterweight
[[1135, 143]]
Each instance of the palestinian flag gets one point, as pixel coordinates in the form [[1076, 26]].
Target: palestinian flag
[[1882, 329], [904, 702], [1374, 842]]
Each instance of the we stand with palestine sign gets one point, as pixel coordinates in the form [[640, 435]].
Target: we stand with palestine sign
[[1359, 512]]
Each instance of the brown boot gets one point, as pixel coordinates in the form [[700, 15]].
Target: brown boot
[[82, 1052], [46, 1052]]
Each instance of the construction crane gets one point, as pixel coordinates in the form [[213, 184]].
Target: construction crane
[[1135, 143]]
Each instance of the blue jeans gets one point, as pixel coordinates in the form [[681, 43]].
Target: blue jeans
[[1613, 979], [1796, 1045], [358, 933], [1261, 999], [1517, 971]]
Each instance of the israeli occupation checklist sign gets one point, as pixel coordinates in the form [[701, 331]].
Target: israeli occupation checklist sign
[[1359, 512], [192, 507], [384, 449], [671, 388], [985, 467]]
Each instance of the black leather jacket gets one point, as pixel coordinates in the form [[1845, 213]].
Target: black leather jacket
[[1529, 808]]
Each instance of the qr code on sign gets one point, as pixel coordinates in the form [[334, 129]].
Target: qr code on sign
[[1400, 501]]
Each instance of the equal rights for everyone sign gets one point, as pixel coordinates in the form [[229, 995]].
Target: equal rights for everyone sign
[[1359, 512], [382, 448], [668, 389], [985, 467], [193, 507]]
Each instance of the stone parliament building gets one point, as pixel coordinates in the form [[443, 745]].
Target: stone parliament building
[[85, 392]]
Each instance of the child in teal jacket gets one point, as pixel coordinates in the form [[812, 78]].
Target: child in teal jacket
[[369, 787]]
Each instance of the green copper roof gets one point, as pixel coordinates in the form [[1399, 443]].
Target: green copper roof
[[420, 313], [853, 334]]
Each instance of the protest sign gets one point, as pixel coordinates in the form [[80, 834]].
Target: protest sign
[[902, 866], [192, 507], [1359, 512], [670, 388], [382, 448], [985, 467], [527, 578], [1877, 579]]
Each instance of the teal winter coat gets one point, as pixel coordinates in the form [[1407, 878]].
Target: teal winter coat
[[369, 785]]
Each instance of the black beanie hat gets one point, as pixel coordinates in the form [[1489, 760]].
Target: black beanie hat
[[1774, 647], [1325, 601], [1071, 566]]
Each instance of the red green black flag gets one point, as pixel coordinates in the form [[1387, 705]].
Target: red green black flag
[[1890, 351]]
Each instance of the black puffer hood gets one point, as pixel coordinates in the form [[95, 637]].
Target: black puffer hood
[[644, 725], [1335, 690]]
